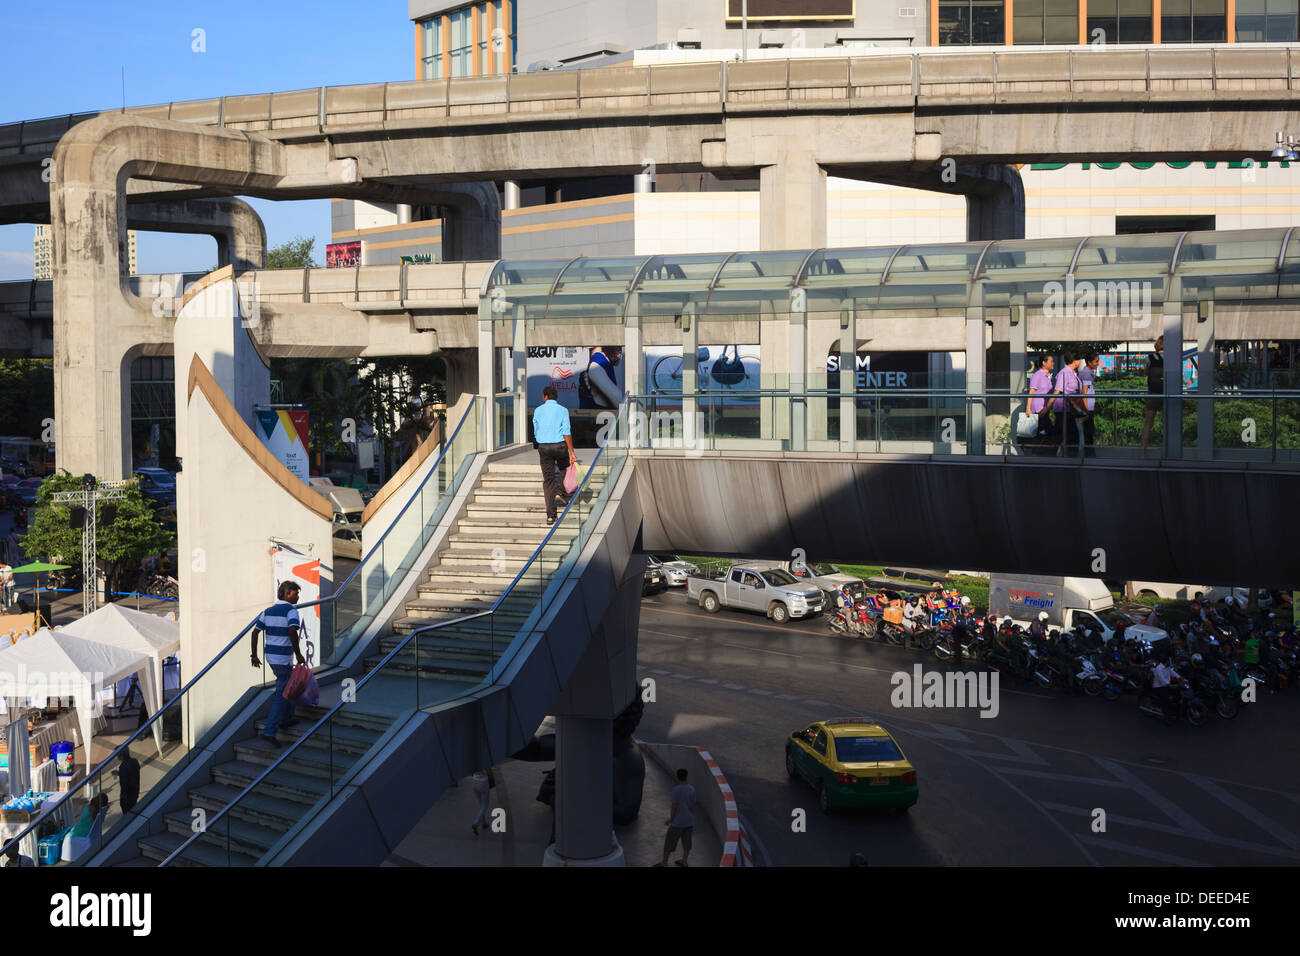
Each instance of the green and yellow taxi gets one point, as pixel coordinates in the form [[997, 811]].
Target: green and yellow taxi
[[852, 762]]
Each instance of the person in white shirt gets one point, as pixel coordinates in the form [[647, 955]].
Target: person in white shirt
[[1163, 678], [7, 586]]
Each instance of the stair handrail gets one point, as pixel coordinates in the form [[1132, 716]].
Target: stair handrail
[[287, 752], [50, 808]]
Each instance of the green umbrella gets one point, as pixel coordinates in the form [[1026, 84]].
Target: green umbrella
[[37, 566]]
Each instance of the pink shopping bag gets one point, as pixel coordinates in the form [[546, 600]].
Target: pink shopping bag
[[310, 693], [571, 480], [297, 682]]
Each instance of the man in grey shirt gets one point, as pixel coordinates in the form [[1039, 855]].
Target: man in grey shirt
[[681, 820]]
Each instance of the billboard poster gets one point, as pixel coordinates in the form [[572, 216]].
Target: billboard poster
[[756, 10], [284, 431], [342, 255], [561, 366], [291, 566], [726, 373]]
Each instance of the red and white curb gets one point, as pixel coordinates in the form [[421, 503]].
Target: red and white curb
[[736, 850]]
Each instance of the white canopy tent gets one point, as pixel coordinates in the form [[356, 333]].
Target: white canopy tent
[[118, 626], [59, 664]]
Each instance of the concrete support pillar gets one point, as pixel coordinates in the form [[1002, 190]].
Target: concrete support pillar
[[848, 379], [691, 381], [233, 223], [511, 194], [976, 359], [798, 365], [792, 203], [995, 206], [1205, 382], [462, 374], [471, 225], [1172, 419], [584, 793]]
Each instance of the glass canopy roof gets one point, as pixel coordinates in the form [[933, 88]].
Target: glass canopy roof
[[1243, 264]]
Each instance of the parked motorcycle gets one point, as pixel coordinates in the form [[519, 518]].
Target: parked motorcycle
[[1184, 705]]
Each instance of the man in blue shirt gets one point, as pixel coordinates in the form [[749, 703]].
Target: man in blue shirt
[[281, 623], [554, 440]]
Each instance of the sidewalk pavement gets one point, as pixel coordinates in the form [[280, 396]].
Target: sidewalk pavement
[[444, 838]]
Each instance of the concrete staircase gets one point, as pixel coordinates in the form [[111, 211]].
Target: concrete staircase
[[259, 821], [502, 526]]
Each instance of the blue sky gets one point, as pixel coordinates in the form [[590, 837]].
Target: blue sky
[[67, 56]]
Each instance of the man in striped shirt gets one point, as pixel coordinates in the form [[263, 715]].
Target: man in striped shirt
[[281, 623]]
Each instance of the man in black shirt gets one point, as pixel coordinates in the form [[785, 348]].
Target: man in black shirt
[[1155, 390]]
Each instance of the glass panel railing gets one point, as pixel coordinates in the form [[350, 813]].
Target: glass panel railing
[[429, 666], [183, 727], [503, 420], [385, 565], [1261, 426]]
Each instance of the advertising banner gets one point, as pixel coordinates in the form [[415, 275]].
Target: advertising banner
[[725, 373], [284, 431], [290, 566], [563, 367], [342, 255]]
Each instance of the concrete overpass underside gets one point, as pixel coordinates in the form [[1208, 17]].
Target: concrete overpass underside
[[1165, 522]]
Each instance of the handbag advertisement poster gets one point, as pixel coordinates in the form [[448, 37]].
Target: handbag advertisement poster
[[726, 372]]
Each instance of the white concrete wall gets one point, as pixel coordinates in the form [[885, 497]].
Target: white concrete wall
[[212, 326], [231, 502]]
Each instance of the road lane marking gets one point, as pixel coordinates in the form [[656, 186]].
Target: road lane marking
[[1206, 837], [1175, 813], [1241, 808]]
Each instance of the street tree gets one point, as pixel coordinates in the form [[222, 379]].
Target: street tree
[[133, 534]]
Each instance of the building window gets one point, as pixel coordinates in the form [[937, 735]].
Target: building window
[[1271, 21], [1045, 21], [459, 22], [972, 22], [1194, 21], [1119, 21], [433, 48]]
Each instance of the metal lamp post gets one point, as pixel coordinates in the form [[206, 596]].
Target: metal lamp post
[[92, 492]]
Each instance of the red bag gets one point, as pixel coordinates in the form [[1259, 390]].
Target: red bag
[[297, 682], [571, 480]]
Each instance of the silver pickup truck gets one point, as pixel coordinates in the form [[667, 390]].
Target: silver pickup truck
[[755, 587]]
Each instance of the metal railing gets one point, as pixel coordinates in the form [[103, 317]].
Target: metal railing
[[1246, 426], [527, 597], [222, 687]]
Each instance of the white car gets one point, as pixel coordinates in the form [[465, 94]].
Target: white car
[[674, 569], [347, 542], [1187, 592]]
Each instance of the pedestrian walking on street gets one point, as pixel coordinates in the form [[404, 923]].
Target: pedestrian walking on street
[[282, 624], [681, 820], [554, 438], [8, 588], [484, 781]]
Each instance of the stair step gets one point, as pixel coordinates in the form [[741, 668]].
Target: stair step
[[287, 784], [350, 716], [432, 602], [470, 673], [432, 644], [159, 846], [260, 808], [342, 737], [523, 505], [247, 838], [310, 759]]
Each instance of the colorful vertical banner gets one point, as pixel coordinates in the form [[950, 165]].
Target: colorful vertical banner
[[289, 566], [284, 431]]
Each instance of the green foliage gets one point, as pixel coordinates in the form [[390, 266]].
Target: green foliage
[[26, 395], [294, 254], [133, 534]]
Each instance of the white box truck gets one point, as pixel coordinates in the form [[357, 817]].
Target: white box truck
[[1069, 602], [348, 503]]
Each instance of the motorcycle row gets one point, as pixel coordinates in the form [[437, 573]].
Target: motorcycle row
[[1211, 661]]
